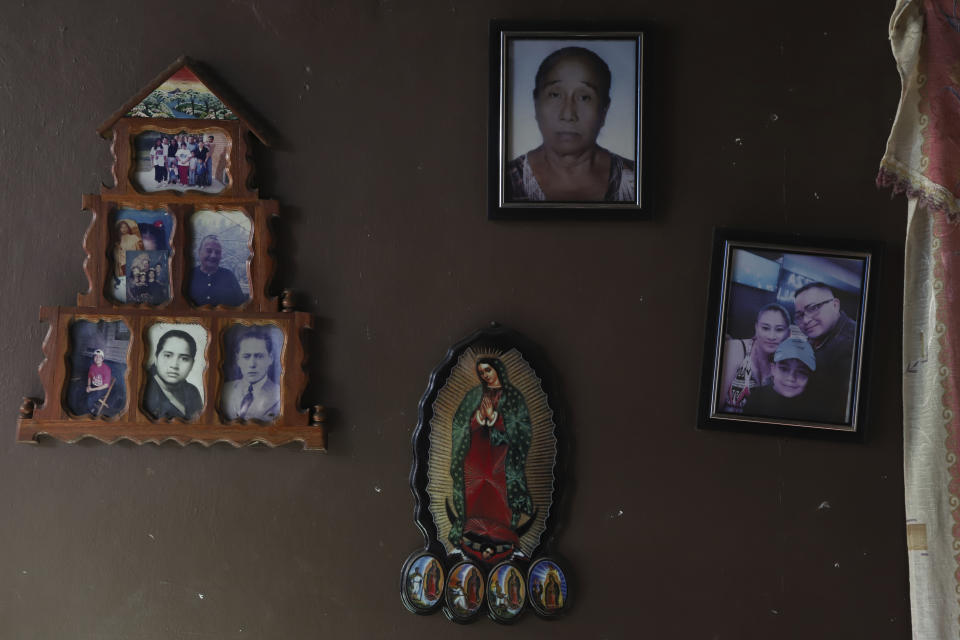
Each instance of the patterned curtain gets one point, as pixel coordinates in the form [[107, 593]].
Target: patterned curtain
[[922, 160]]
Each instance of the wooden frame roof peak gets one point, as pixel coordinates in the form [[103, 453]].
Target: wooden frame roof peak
[[229, 99]]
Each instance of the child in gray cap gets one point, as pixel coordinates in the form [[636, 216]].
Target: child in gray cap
[[793, 365]]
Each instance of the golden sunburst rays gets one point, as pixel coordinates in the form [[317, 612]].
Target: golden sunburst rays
[[543, 446]]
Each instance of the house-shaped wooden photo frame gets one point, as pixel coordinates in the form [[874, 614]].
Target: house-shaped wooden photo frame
[[177, 337]]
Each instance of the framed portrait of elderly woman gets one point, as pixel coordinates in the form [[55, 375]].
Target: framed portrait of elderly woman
[[566, 122], [222, 256], [787, 334], [486, 450]]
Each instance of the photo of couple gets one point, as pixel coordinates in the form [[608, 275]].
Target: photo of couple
[[792, 326]]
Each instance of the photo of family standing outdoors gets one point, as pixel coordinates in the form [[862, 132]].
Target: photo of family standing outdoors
[[789, 337], [181, 161]]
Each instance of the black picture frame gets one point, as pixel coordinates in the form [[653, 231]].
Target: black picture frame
[[513, 132], [770, 269]]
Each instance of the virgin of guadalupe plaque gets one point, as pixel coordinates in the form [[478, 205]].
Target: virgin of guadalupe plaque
[[485, 454]]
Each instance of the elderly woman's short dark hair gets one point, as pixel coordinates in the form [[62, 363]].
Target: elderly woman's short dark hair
[[597, 64]]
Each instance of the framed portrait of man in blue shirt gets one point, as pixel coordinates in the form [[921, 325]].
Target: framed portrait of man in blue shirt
[[221, 251]]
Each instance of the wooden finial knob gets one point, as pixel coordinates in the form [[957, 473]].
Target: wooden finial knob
[[27, 407], [317, 415], [286, 300]]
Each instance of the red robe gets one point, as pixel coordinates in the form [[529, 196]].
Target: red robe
[[551, 593], [513, 591], [431, 586], [485, 480], [473, 590]]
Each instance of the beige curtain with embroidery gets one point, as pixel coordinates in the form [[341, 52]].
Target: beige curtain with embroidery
[[931, 501], [922, 160]]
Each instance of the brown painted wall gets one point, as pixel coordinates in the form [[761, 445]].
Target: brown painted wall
[[673, 533]]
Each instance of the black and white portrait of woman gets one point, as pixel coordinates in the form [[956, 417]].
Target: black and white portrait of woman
[[174, 368]]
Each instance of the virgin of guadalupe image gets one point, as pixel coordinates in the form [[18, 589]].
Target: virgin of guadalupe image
[[466, 589], [431, 582], [506, 591], [514, 590], [491, 438], [552, 595], [424, 582], [490, 419], [547, 588]]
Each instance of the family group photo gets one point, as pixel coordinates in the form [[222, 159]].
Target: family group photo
[[182, 161], [791, 335]]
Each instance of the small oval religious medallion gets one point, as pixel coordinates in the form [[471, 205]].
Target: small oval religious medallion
[[464, 591], [548, 588], [506, 594], [422, 583]]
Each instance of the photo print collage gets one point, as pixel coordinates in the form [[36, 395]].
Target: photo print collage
[[182, 333], [218, 264], [174, 369]]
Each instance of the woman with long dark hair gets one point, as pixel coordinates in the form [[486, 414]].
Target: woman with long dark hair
[[748, 363]]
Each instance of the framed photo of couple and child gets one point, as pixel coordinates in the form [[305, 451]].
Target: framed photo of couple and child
[[787, 341]]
